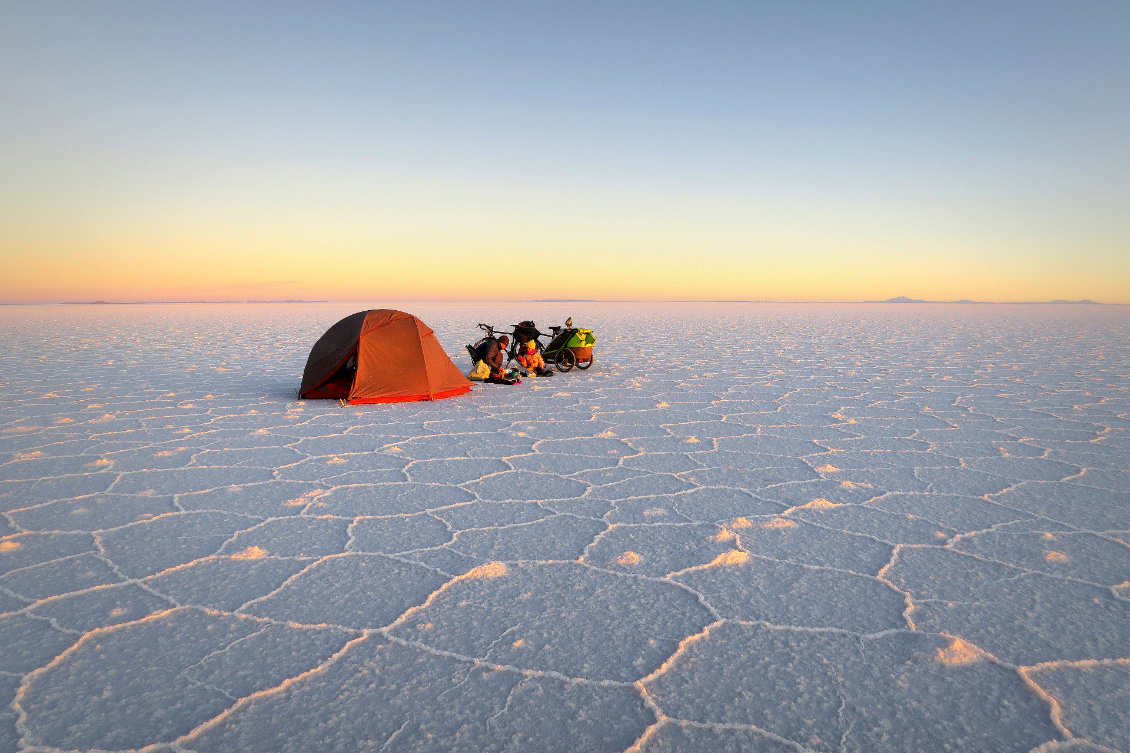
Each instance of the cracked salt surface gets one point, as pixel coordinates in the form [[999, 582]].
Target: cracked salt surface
[[746, 528]]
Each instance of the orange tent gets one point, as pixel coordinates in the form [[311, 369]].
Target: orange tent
[[381, 356]]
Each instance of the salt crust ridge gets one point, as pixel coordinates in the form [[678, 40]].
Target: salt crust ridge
[[889, 533]]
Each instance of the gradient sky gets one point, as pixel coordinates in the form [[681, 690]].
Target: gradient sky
[[786, 150]]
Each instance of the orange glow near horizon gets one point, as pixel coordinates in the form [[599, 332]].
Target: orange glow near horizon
[[363, 241], [607, 247], [239, 265]]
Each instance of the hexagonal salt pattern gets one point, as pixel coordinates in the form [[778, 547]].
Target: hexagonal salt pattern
[[746, 528]]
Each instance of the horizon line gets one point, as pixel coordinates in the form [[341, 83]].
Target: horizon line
[[896, 300]]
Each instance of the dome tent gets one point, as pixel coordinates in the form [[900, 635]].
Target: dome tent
[[380, 356]]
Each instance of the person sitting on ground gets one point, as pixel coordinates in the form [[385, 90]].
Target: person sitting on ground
[[530, 358], [492, 352]]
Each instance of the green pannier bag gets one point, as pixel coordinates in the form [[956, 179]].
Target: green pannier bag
[[582, 338]]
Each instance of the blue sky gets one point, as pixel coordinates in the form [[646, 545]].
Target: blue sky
[[797, 151]]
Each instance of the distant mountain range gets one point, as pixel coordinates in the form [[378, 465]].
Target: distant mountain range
[[904, 299]]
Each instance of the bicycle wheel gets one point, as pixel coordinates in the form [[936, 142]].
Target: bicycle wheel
[[564, 360]]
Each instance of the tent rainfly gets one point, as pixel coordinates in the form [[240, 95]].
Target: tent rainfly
[[381, 356]]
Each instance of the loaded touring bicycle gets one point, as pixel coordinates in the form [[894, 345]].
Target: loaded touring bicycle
[[568, 346]]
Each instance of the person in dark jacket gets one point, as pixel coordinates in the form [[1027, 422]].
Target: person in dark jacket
[[493, 353]]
